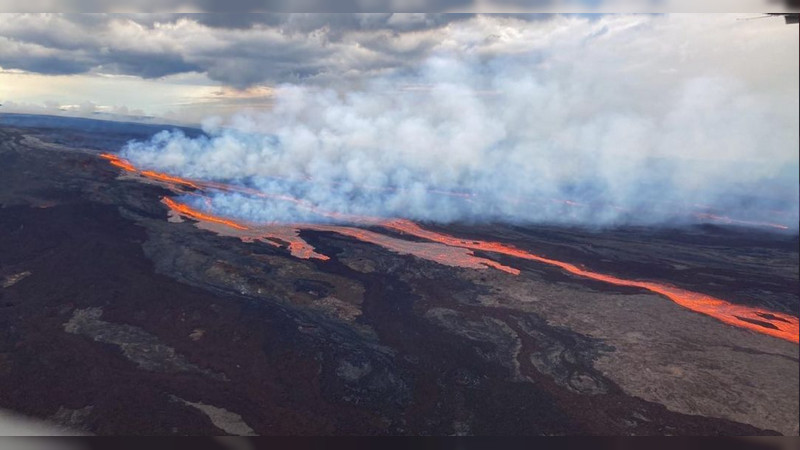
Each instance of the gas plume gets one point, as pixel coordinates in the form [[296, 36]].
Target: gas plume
[[619, 120], [503, 146]]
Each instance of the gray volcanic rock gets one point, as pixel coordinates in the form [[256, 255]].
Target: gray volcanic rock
[[136, 344]]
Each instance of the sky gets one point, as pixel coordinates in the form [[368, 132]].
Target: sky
[[634, 116], [186, 67]]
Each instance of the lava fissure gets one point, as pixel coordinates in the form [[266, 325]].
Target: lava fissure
[[450, 250]]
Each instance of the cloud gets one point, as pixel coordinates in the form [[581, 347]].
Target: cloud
[[619, 119], [86, 109], [382, 6], [238, 50]]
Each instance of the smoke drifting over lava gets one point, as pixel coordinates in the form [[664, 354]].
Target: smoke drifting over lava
[[441, 248], [580, 128]]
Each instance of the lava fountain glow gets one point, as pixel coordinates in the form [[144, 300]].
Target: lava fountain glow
[[449, 250]]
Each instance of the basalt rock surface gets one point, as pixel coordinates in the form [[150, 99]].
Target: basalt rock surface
[[116, 320]]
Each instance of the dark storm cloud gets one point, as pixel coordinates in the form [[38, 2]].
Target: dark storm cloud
[[235, 49], [148, 65], [241, 6], [339, 6], [337, 22], [297, 22], [46, 65], [368, 6], [74, 44]]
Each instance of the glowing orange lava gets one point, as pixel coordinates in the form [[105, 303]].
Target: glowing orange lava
[[453, 251], [278, 234], [168, 178], [442, 254], [119, 162], [158, 176], [780, 325], [174, 182], [282, 234], [194, 214]]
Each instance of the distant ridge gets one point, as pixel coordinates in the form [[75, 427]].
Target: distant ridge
[[26, 120]]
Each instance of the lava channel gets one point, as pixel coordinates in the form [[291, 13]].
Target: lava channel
[[277, 235], [779, 325], [783, 326]]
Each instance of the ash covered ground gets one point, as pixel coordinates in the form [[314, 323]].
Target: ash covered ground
[[116, 320]]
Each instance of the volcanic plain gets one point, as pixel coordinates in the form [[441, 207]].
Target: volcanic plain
[[120, 315]]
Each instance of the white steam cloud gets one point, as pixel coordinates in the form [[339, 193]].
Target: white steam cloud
[[624, 119]]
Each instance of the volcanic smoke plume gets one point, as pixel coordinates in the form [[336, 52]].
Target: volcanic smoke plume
[[584, 122], [441, 248]]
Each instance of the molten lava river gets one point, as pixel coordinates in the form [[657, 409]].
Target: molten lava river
[[439, 247]]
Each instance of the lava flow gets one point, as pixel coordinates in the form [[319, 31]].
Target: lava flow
[[453, 251], [442, 254], [778, 325], [126, 165], [298, 247], [197, 215], [177, 183]]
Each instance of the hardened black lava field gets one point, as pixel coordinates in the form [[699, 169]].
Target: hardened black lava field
[[119, 316]]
